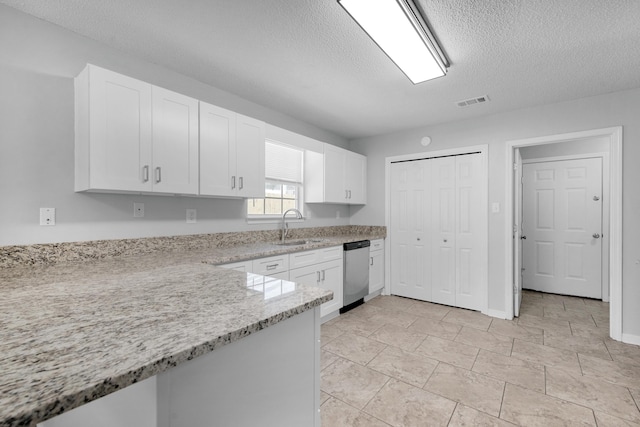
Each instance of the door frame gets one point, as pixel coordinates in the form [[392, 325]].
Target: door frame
[[484, 152], [614, 135]]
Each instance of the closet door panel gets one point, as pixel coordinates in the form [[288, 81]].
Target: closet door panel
[[443, 209], [469, 231], [410, 219]]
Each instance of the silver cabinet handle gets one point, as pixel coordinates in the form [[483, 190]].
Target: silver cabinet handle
[[272, 266], [241, 183], [596, 236], [323, 275], [158, 174], [318, 273], [233, 182], [371, 262], [145, 173], [349, 193]]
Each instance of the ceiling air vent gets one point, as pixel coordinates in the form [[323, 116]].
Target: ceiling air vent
[[471, 101]]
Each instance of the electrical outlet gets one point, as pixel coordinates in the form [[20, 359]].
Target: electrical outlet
[[47, 216], [191, 216], [138, 210]]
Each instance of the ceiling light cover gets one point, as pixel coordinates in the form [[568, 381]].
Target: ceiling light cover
[[394, 27]]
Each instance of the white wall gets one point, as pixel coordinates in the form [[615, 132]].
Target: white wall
[[622, 108], [38, 61]]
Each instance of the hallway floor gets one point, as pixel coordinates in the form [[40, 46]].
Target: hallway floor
[[400, 362]]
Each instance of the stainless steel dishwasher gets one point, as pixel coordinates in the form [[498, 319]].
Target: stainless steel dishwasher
[[356, 274]]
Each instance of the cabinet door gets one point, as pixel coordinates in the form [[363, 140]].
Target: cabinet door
[[250, 137], [217, 151], [376, 271], [175, 142], [120, 135], [309, 275], [356, 178], [331, 278], [334, 178]]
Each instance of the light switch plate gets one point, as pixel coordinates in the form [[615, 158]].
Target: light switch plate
[[47, 216]]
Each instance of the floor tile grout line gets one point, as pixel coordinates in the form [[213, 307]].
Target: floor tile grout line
[[504, 391], [376, 393], [455, 408], [431, 375]]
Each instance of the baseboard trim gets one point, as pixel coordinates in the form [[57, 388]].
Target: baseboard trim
[[631, 339], [496, 313]]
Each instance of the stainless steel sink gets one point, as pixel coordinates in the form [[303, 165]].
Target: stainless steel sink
[[299, 242]]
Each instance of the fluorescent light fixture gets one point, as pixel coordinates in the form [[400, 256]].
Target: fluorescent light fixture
[[399, 30]]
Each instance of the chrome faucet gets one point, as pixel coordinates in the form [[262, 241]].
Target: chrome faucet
[[285, 226]]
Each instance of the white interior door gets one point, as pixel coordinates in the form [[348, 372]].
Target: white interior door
[[517, 234], [562, 224], [410, 257]]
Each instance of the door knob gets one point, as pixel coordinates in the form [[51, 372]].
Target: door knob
[[523, 237], [596, 236], [596, 198], [418, 239]]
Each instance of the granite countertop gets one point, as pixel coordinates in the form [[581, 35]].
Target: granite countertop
[[238, 253], [73, 332]]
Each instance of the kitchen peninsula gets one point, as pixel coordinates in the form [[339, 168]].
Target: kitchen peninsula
[[179, 341]]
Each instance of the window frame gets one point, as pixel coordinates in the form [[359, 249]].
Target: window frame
[[299, 200]]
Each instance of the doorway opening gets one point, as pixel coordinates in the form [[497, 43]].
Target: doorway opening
[[559, 148]]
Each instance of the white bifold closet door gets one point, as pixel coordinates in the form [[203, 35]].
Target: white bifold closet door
[[437, 229]]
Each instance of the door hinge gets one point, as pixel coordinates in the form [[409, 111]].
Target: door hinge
[[515, 289], [515, 166]]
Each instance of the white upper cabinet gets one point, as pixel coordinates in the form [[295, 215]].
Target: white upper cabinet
[[113, 132], [133, 137], [250, 166], [175, 142], [231, 153], [336, 176], [217, 151]]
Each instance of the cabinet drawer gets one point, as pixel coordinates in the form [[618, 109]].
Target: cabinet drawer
[[271, 265], [244, 266], [301, 259], [377, 245]]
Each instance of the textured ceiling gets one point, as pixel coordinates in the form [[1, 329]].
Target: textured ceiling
[[308, 59]]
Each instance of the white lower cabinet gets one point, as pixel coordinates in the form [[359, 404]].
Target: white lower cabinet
[[328, 275], [319, 267], [376, 266]]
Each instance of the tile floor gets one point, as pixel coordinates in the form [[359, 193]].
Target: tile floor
[[400, 362]]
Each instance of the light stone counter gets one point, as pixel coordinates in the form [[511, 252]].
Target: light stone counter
[[72, 334], [81, 320]]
